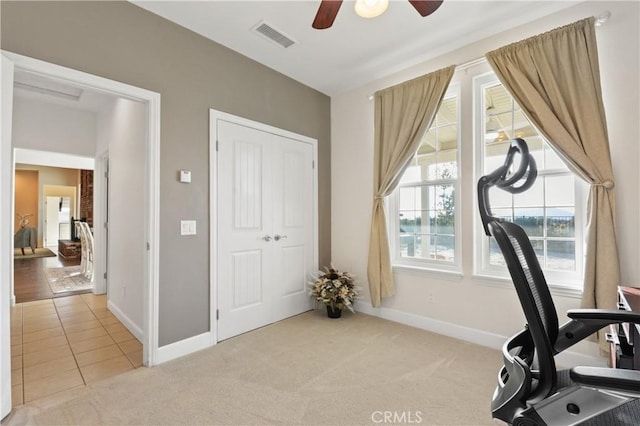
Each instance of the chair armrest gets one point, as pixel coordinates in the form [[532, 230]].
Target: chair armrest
[[611, 316], [585, 322], [610, 378]]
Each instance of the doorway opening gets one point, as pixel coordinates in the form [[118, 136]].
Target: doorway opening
[[51, 204], [139, 321], [58, 217]]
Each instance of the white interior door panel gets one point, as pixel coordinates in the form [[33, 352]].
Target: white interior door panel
[[265, 222]]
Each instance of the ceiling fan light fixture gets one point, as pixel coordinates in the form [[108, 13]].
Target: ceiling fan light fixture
[[371, 8]]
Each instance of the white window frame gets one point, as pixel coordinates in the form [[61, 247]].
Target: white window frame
[[561, 282], [392, 207]]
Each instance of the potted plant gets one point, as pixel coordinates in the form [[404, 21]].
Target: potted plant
[[336, 290]]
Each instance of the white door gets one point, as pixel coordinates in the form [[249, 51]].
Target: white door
[[292, 226], [265, 226], [51, 222]]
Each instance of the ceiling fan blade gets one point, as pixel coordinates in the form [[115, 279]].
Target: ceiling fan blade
[[426, 7], [327, 13]]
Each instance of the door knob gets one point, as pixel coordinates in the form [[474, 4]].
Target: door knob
[[279, 237], [267, 238]]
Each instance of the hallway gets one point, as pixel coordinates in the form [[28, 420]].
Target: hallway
[[61, 341], [67, 342]]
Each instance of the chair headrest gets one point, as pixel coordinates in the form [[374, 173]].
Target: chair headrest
[[513, 176]]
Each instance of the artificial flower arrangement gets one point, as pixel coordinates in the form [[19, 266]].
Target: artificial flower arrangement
[[336, 289]]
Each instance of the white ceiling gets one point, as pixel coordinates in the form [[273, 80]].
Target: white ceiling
[[354, 51]]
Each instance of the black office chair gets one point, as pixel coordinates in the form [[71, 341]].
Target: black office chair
[[530, 391]]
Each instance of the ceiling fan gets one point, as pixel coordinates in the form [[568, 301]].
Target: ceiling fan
[[328, 10]]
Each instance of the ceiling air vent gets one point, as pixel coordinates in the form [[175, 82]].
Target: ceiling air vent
[[267, 31]]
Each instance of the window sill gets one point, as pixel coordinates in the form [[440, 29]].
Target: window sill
[[560, 290], [427, 271]]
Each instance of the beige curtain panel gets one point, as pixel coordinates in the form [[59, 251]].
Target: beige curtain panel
[[403, 113], [555, 78]]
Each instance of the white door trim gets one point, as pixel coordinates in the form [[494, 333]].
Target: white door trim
[[152, 210], [52, 159], [100, 200], [214, 117], [6, 232]]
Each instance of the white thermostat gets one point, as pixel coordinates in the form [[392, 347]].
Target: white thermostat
[[185, 176]]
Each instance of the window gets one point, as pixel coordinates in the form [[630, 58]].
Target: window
[[476, 120], [423, 218], [550, 211]]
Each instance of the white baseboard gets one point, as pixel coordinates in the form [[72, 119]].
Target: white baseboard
[[472, 335], [126, 321], [183, 347]]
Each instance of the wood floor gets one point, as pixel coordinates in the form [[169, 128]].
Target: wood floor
[[30, 282]]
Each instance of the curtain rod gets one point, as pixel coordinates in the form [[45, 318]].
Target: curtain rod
[[600, 20]]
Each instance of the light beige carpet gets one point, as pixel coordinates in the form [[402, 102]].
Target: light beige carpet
[[39, 252], [68, 278], [306, 370]]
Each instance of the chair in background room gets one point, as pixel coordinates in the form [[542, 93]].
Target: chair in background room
[[86, 241], [83, 246], [530, 390], [26, 237]]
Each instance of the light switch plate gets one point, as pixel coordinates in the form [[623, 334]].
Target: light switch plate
[[187, 227], [185, 176]]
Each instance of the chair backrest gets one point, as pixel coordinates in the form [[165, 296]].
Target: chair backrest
[[523, 265]]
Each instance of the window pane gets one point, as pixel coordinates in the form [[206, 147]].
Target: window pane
[[448, 112], [407, 198], [426, 222], [447, 169], [536, 148], [531, 220], [538, 247], [445, 248], [426, 198], [560, 190], [445, 222], [552, 160], [447, 137], [425, 246], [445, 197], [411, 175], [407, 246], [499, 198], [533, 197], [425, 207], [494, 155], [495, 255], [428, 144], [408, 223], [561, 222], [504, 214], [561, 255], [547, 210]]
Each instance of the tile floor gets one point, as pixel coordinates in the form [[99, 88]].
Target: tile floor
[[67, 342]]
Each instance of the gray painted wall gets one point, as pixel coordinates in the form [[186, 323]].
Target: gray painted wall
[[120, 41]]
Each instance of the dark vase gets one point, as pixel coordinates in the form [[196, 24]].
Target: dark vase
[[333, 312]]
